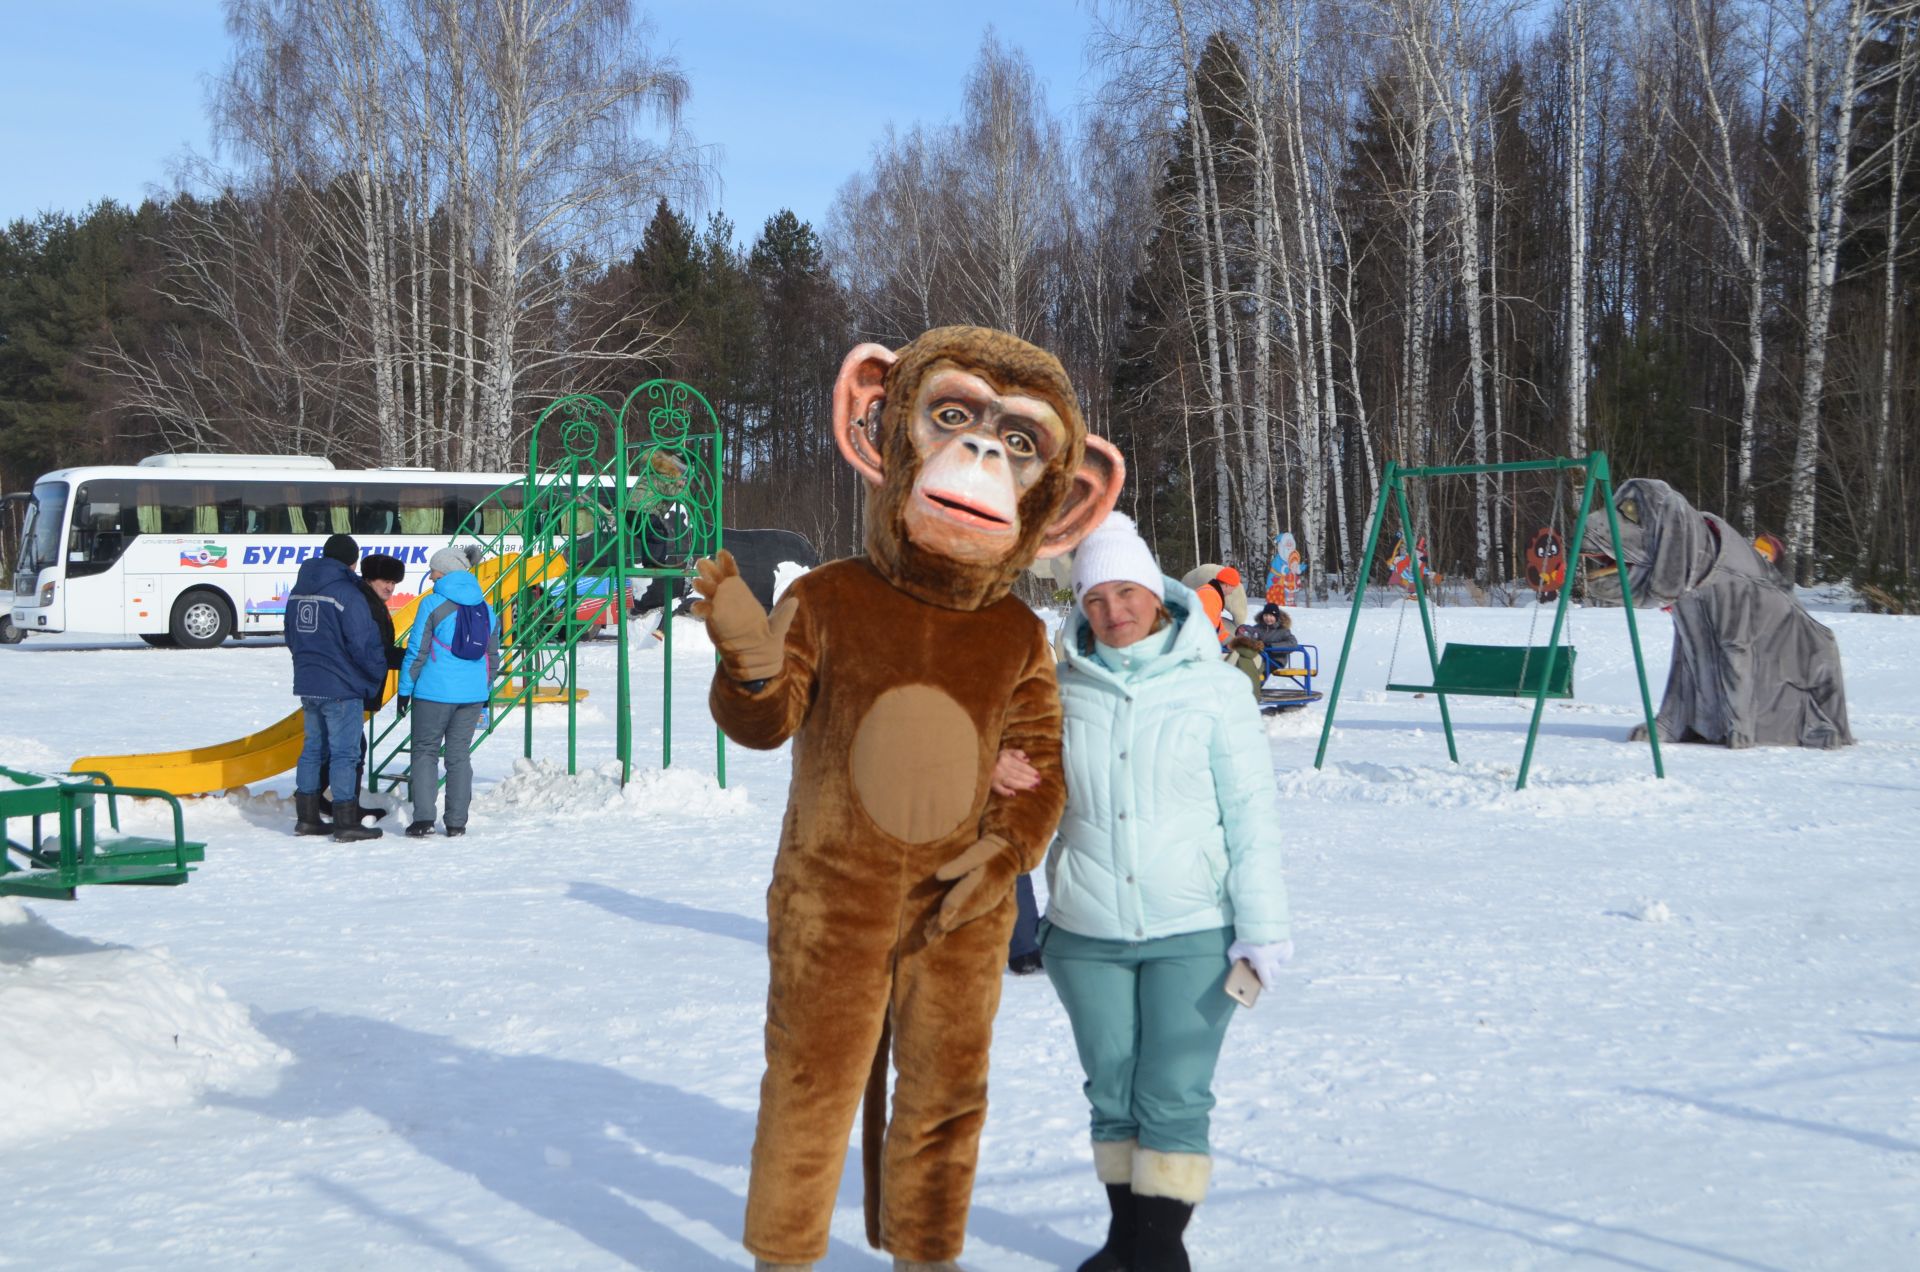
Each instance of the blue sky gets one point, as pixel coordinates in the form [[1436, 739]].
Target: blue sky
[[99, 97]]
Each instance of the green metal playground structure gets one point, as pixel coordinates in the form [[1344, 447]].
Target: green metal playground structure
[[614, 500], [1495, 671], [36, 868]]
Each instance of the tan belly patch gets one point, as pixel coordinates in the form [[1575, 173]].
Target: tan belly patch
[[916, 763]]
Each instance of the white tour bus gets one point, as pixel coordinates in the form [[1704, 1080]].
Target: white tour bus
[[191, 549]]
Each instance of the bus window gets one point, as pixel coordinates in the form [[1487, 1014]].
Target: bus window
[[162, 507], [497, 505], [45, 527], [325, 510], [272, 509], [376, 510], [423, 510], [226, 508], [103, 522], [461, 501]]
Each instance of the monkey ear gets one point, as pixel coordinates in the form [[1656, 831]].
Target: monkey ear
[[861, 383], [1096, 488]]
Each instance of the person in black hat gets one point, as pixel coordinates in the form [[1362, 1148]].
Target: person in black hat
[[337, 664], [380, 576]]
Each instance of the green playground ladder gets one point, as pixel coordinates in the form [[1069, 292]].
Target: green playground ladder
[[597, 477], [83, 857], [1495, 671]]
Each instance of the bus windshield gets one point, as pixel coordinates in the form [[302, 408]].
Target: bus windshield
[[44, 529]]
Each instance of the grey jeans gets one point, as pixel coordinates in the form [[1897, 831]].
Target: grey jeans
[[449, 725]]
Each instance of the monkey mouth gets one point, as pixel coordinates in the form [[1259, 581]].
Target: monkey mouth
[[967, 512]]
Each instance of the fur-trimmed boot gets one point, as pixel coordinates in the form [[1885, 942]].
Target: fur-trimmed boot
[[1166, 1188], [1113, 1165], [306, 815]]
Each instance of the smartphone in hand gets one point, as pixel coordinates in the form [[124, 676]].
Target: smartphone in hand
[[1243, 984]]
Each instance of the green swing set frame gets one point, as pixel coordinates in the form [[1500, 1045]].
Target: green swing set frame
[[1496, 671]]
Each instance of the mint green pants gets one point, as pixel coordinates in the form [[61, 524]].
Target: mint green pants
[[1148, 1018]]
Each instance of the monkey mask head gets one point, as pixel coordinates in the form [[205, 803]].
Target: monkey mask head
[[976, 458]]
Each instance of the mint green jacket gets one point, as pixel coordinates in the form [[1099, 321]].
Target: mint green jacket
[[1171, 823]]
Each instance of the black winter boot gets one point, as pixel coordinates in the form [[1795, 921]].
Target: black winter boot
[[360, 811], [1114, 1256], [1158, 1223], [346, 827], [306, 815]]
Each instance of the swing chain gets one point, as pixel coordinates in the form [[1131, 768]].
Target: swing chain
[[1566, 579]]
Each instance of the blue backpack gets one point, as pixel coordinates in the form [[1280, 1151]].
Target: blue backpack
[[471, 630]]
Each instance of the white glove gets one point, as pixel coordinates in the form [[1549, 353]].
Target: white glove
[[1264, 959]]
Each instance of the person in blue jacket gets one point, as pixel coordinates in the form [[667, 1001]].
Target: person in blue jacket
[[337, 664], [1166, 871], [444, 692]]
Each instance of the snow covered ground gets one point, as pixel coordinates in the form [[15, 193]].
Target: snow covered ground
[[1606, 1021]]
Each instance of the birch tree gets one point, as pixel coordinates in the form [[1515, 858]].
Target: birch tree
[[1577, 230], [1703, 35], [1832, 38]]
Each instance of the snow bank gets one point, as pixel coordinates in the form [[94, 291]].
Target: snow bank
[[545, 786], [98, 1030]]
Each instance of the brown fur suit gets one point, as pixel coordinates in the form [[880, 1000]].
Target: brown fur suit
[[904, 673]]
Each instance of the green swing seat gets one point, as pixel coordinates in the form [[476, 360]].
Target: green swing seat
[[1498, 671]]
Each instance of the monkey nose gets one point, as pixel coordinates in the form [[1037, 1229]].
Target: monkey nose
[[984, 448]]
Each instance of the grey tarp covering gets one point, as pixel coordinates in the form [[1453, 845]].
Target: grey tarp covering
[[1750, 666]]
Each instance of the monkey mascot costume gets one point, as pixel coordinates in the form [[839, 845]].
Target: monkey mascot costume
[[900, 675]]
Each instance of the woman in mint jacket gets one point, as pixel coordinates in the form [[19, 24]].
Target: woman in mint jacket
[[1165, 872]]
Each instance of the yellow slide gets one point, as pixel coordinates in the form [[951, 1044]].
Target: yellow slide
[[276, 748]]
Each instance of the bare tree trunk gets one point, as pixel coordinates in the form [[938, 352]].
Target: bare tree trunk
[[1201, 147], [1452, 85], [1902, 148], [1577, 442], [1360, 424], [1744, 233], [1826, 206]]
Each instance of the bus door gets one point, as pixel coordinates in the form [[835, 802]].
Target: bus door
[[146, 606]]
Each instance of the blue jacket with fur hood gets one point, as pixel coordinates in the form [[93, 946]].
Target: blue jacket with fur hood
[[430, 671], [1171, 819]]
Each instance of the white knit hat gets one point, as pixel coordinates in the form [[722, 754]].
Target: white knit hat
[[1114, 551]]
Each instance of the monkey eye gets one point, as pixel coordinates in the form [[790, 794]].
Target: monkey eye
[[952, 417], [1021, 444]]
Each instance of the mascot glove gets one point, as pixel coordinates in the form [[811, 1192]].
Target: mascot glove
[[750, 648], [1265, 960], [982, 876]]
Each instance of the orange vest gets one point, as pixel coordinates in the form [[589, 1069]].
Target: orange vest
[[1215, 606]]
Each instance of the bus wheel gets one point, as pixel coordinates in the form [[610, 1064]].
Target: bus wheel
[[200, 620], [159, 640], [11, 633]]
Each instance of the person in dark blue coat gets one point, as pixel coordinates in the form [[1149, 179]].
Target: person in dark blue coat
[[337, 664]]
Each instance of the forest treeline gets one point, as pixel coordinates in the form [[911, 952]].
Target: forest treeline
[[1284, 242]]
